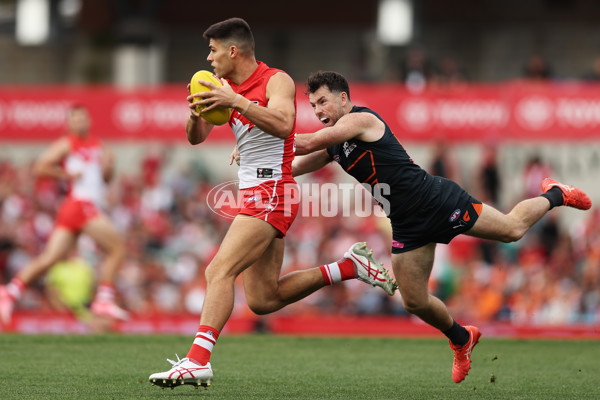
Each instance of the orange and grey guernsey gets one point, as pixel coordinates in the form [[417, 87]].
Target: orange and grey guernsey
[[384, 161]]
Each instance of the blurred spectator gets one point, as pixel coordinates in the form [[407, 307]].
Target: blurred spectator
[[537, 69], [489, 176], [442, 161], [536, 170], [551, 276], [416, 70], [594, 74], [451, 72]]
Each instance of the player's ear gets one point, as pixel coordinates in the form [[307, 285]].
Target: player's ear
[[344, 98], [233, 51]]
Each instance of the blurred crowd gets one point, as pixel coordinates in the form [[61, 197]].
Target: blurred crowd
[[419, 70], [551, 276]]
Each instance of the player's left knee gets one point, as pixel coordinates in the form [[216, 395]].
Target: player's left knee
[[263, 303], [260, 307]]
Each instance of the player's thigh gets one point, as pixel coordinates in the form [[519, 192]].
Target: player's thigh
[[245, 242], [412, 270], [491, 224], [261, 279], [60, 243], [103, 232]]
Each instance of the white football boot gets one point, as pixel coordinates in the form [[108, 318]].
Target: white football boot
[[7, 304], [184, 372], [109, 309], [370, 270]]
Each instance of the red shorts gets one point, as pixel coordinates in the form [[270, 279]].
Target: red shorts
[[73, 214], [276, 202]]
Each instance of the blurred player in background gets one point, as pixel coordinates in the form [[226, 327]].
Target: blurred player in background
[[263, 121], [423, 209], [80, 159]]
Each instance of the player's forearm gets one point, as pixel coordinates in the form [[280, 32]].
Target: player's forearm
[[310, 163], [307, 143], [197, 129], [301, 168]]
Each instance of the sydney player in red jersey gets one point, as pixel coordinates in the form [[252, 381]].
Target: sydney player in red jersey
[[263, 121], [80, 159]]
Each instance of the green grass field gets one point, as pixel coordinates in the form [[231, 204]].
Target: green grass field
[[274, 367]]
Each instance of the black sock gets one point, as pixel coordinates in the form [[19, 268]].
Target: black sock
[[554, 196], [457, 334]]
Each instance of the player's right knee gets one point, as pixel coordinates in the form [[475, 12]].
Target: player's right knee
[[217, 273], [211, 273]]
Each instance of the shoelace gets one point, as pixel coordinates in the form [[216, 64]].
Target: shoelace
[[176, 363]]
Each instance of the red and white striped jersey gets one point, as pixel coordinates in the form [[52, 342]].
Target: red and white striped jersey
[[263, 157], [85, 159]]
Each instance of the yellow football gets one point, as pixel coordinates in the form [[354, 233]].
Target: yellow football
[[219, 115]]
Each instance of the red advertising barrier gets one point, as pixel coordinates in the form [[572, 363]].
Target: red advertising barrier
[[325, 325], [494, 112]]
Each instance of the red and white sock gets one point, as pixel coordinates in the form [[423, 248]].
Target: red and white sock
[[105, 293], [203, 345], [338, 271], [15, 288]]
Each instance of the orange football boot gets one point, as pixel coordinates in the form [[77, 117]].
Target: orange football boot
[[572, 196], [462, 355]]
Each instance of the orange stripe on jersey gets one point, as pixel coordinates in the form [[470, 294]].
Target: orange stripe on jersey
[[372, 166], [358, 159], [478, 207]]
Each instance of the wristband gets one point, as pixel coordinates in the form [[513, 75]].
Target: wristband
[[246, 108], [238, 97]]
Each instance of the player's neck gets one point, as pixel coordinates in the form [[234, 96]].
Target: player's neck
[[348, 107], [243, 70]]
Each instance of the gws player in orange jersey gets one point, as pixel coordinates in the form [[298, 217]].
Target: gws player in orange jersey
[[423, 209], [263, 121], [79, 158]]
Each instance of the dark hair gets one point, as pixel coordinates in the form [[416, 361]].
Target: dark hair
[[335, 82], [233, 30]]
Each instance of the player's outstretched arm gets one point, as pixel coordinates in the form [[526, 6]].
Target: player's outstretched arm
[[310, 163], [361, 126]]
